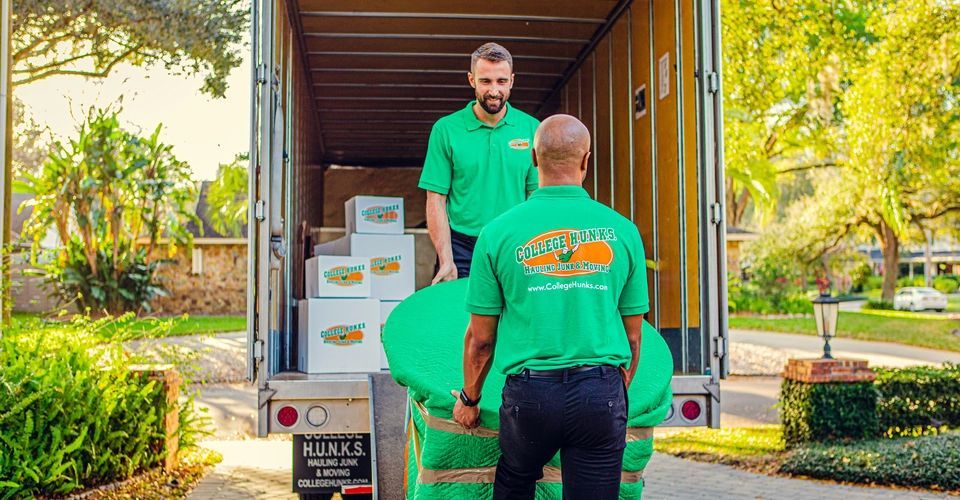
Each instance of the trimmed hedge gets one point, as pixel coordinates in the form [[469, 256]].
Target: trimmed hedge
[[72, 415], [919, 399], [927, 462], [827, 412]]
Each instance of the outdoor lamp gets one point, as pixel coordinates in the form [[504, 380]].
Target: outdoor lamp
[[825, 312]]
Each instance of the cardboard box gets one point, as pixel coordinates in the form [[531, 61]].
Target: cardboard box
[[339, 336], [392, 263], [374, 215], [339, 246], [331, 276], [386, 307]]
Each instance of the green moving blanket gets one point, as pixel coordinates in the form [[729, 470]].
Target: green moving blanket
[[423, 339]]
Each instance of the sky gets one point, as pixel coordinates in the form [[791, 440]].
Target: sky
[[203, 131]]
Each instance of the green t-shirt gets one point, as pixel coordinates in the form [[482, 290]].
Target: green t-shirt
[[560, 269], [484, 171]]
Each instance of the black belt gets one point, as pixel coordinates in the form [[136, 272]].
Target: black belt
[[559, 372]]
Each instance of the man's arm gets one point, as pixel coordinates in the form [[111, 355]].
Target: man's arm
[[634, 327], [439, 228], [478, 346]]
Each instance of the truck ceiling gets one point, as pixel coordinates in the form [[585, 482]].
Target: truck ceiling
[[382, 72]]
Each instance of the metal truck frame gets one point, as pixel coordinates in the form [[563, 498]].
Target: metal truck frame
[[342, 82]]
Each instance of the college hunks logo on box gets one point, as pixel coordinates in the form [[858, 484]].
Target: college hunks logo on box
[[344, 335], [568, 252], [344, 275], [381, 214], [385, 266]]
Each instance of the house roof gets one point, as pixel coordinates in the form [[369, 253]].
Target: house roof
[[740, 234]]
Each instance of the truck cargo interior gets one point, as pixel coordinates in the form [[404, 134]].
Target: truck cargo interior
[[345, 93]]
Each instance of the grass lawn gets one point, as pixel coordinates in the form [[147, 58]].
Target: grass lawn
[[904, 327], [753, 448], [173, 326]]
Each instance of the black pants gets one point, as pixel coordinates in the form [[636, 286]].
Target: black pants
[[581, 415], [462, 246]]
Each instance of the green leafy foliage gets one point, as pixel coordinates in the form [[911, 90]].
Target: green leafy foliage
[[828, 411], [74, 415], [227, 202], [918, 399], [90, 37], [109, 196], [878, 305], [927, 462], [947, 283]]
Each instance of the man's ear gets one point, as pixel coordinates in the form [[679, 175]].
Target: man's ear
[[584, 163], [533, 153], [470, 79], [512, 80]]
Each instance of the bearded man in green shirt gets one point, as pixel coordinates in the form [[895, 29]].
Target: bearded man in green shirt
[[558, 287], [478, 163]]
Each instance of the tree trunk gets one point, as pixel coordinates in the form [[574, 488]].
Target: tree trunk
[[891, 260]]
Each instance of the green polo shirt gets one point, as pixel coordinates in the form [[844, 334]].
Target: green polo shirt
[[483, 170], [560, 269]]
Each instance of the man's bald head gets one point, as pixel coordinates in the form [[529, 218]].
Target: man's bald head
[[561, 146]]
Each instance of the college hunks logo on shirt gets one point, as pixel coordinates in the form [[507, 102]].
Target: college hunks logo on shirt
[[381, 214], [567, 252], [344, 275], [344, 335], [519, 144], [385, 266]]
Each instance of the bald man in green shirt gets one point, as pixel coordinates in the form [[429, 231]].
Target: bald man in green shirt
[[558, 289], [478, 163]]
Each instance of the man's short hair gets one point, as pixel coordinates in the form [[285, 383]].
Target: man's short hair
[[492, 52]]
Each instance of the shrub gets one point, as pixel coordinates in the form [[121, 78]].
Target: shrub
[[762, 297], [946, 283], [926, 462], [827, 412], [883, 305], [914, 281], [918, 399], [73, 415], [873, 283]]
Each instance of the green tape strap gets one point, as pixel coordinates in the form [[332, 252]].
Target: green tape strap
[[487, 474]]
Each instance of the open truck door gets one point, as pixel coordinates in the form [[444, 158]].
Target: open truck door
[[359, 84]]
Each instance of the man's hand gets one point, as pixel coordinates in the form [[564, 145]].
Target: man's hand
[[467, 416], [627, 376], [447, 272]]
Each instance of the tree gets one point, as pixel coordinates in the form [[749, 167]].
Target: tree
[[109, 196], [90, 37], [784, 65], [899, 170], [227, 198]]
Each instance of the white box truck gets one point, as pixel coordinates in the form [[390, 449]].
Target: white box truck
[[340, 82]]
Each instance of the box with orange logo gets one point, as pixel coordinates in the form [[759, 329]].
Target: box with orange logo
[[392, 263], [329, 276], [339, 335], [386, 307], [374, 215]]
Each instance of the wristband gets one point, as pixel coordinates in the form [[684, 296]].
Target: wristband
[[467, 401]]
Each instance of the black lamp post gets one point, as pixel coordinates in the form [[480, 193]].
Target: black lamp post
[[825, 312]]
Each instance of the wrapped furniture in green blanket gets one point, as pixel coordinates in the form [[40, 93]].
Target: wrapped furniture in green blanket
[[423, 339]]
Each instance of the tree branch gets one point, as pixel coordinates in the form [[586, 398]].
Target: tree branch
[[809, 166], [93, 74]]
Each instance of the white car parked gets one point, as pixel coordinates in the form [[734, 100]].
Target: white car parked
[[919, 298]]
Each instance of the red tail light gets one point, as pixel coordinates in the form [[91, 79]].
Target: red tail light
[[690, 410], [288, 416]]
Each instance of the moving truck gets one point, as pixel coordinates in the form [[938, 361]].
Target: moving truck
[[341, 83]]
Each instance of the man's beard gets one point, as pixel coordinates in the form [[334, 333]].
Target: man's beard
[[492, 106]]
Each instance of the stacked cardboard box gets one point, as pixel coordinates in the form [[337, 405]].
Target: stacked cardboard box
[[352, 285]]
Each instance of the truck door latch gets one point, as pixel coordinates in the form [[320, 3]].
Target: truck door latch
[[713, 82], [716, 213], [258, 210], [258, 351]]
